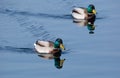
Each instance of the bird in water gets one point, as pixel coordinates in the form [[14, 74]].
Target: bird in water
[[84, 13], [42, 46]]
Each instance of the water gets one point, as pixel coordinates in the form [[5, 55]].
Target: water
[[87, 56]]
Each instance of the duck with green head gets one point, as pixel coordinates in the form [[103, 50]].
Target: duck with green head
[[42, 46], [84, 13]]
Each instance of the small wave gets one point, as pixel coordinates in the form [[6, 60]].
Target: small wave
[[99, 18], [25, 13], [35, 29], [18, 50]]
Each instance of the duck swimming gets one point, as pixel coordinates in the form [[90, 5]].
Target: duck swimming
[[42, 46], [84, 13]]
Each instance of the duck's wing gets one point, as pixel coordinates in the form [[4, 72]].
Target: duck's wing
[[43, 46], [41, 49], [79, 13], [51, 44], [44, 43], [79, 10]]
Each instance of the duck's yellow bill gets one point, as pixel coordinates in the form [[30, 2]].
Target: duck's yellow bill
[[94, 11], [62, 47]]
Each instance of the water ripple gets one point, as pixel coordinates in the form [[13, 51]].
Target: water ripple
[[25, 13], [18, 50], [35, 28]]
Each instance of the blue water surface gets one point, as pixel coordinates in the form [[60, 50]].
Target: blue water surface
[[22, 22]]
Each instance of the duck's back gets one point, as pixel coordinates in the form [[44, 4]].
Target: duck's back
[[41, 49], [79, 13], [43, 46]]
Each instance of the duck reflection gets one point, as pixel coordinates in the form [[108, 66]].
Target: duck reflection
[[58, 62], [89, 23]]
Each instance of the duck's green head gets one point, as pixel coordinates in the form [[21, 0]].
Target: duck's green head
[[91, 9], [59, 44]]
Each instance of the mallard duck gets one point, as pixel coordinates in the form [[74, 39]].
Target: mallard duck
[[84, 13], [49, 46]]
